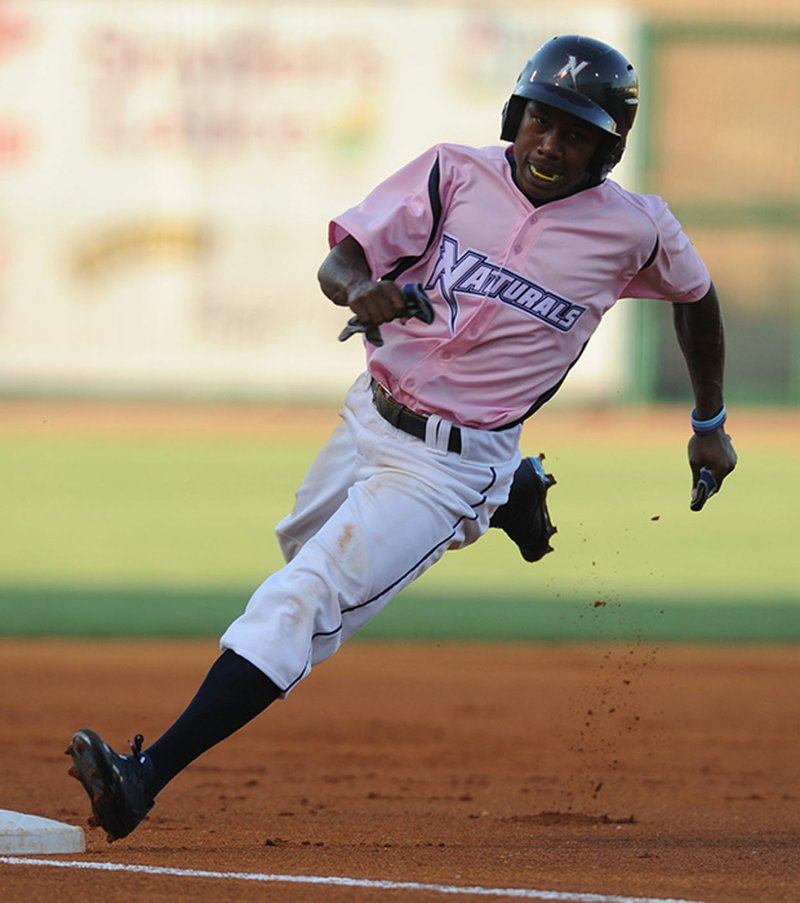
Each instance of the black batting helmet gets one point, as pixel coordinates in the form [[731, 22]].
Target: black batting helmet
[[586, 78]]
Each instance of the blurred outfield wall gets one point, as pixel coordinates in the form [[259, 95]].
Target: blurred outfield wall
[[168, 170], [719, 136]]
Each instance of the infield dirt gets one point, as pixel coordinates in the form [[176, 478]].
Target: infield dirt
[[627, 769]]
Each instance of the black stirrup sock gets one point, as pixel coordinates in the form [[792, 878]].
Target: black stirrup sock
[[233, 693]]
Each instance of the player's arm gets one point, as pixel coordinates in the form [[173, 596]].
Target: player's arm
[[346, 279], [701, 336]]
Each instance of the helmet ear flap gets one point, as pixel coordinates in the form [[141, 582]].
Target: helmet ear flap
[[511, 118], [614, 153], [609, 152]]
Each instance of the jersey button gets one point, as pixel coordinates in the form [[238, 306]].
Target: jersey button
[[447, 355]]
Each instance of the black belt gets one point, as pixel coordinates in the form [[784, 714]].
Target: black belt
[[406, 420]]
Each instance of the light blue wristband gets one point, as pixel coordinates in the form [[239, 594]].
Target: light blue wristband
[[703, 427]]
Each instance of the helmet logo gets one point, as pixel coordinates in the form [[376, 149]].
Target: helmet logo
[[573, 68]]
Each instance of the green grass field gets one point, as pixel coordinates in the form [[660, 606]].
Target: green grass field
[[107, 533]]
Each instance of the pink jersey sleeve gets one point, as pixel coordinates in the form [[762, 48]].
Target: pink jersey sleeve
[[677, 272], [395, 219]]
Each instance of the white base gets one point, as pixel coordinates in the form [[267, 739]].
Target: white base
[[20, 833]]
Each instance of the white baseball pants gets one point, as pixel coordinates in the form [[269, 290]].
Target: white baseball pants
[[377, 508]]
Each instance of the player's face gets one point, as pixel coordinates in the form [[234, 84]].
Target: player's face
[[552, 152]]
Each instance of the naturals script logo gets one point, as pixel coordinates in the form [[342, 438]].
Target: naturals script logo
[[474, 274]]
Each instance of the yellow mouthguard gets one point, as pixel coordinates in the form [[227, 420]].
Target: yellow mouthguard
[[547, 178]]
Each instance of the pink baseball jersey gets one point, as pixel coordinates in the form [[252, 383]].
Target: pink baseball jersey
[[517, 290]]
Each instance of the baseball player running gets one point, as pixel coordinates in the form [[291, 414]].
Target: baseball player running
[[520, 249]]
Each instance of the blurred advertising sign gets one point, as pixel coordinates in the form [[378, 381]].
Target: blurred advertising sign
[[168, 170]]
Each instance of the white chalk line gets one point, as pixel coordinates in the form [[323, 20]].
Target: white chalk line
[[331, 881]]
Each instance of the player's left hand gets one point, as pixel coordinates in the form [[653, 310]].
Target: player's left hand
[[711, 458]]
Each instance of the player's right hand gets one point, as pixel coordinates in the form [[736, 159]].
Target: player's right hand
[[375, 303]]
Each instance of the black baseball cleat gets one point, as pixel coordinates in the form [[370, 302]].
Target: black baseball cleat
[[117, 785], [524, 517]]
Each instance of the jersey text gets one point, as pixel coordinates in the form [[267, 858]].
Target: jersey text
[[473, 273]]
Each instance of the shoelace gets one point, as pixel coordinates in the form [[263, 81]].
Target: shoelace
[[136, 746]]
